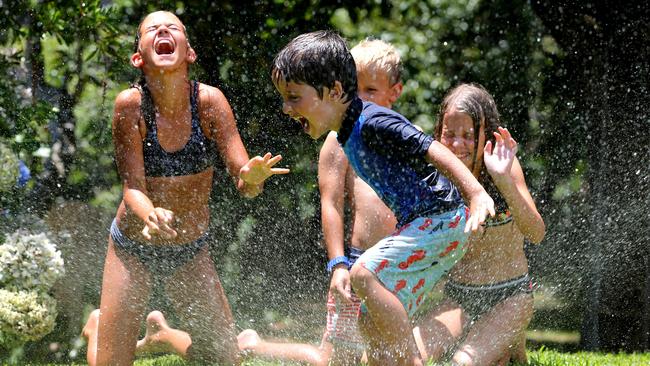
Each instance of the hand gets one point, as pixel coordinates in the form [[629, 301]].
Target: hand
[[479, 207], [258, 169], [340, 285], [159, 223], [498, 161]]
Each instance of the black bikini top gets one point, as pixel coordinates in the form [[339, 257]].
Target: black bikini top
[[193, 158]]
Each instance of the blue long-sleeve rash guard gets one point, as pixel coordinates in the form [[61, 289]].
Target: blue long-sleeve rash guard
[[388, 153]]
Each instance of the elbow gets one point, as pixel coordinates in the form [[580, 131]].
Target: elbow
[[536, 235]]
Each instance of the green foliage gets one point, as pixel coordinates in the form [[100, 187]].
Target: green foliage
[[25, 316], [9, 173]]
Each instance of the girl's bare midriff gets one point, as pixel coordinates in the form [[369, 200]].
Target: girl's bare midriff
[[372, 220], [493, 256], [186, 196]]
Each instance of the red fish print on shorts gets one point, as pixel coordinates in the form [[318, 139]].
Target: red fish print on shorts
[[454, 223], [417, 255], [399, 285], [449, 248], [383, 264], [426, 224], [418, 286], [417, 302]]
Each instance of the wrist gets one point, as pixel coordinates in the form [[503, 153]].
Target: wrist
[[337, 262], [502, 180]]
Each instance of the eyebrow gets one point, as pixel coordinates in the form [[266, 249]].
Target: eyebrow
[[167, 24]]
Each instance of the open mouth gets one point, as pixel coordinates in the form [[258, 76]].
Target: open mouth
[[303, 122], [164, 47]]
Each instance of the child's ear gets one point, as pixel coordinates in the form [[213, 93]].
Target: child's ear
[[191, 54], [136, 60], [396, 91], [336, 91]]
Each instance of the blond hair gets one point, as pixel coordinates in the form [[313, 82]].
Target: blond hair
[[375, 54]]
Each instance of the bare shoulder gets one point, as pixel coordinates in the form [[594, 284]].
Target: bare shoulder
[[331, 153], [128, 99], [127, 106], [211, 97], [331, 146]]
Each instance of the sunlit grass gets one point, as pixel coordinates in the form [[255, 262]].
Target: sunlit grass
[[542, 357]]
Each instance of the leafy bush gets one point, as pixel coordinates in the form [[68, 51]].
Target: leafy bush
[[29, 262], [25, 316]]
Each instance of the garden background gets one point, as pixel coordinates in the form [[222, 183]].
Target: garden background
[[571, 79]]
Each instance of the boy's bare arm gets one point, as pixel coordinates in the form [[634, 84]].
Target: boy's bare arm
[[332, 168], [480, 203]]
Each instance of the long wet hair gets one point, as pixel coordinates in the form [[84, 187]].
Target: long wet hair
[[474, 100]]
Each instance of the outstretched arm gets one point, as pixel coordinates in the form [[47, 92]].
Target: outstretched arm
[[332, 169], [480, 203], [504, 168], [130, 165], [249, 174]]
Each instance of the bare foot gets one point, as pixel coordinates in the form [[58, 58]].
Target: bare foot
[[90, 333], [90, 329], [154, 340], [248, 340]]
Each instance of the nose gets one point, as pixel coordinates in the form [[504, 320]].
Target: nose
[[285, 108], [457, 142], [162, 30]]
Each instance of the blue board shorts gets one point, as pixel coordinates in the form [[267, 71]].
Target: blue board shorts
[[411, 261]]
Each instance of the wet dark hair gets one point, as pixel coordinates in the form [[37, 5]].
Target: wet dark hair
[[317, 59], [474, 100]]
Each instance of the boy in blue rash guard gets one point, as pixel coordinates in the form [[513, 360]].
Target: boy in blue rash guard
[[316, 76]]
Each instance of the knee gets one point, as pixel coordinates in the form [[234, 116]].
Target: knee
[[360, 277]]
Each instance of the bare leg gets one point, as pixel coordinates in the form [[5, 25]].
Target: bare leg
[[392, 328], [125, 291], [440, 330], [161, 338], [496, 332], [249, 340], [202, 306]]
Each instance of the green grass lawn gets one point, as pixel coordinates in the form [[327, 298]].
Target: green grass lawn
[[542, 357]]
